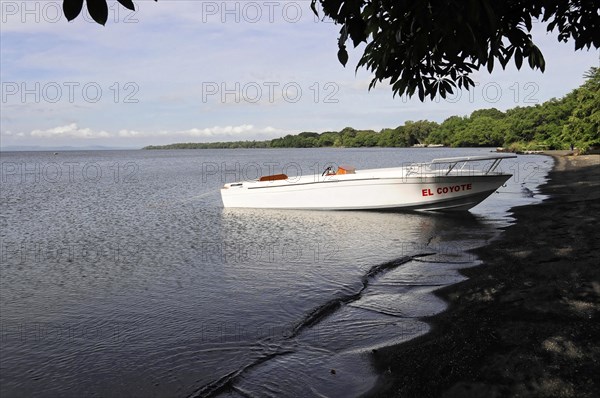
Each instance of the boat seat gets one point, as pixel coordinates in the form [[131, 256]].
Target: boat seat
[[346, 170], [274, 177]]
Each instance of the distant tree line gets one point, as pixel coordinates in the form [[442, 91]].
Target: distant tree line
[[213, 145], [573, 120]]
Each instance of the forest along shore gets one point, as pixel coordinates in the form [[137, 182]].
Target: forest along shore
[[527, 321]]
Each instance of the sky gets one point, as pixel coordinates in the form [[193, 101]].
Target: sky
[[205, 71]]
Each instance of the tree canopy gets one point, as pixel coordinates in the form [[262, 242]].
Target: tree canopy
[[432, 47]]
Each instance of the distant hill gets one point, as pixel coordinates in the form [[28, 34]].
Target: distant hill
[[573, 120], [34, 148]]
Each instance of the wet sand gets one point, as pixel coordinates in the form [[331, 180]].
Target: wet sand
[[527, 321]]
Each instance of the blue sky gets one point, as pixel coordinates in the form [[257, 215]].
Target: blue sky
[[200, 71]]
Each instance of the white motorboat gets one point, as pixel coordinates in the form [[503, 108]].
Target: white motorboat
[[442, 184]]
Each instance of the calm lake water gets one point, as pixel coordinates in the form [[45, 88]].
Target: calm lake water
[[122, 275]]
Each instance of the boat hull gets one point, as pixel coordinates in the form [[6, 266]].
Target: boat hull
[[441, 193]]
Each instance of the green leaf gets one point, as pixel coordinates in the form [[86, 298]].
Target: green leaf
[[421, 91], [400, 86], [448, 86], [357, 31], [528, 22], [490, 63], [313, 7], [343, 56], [343, 34], [532, 60], [542, 62], [518, 58], [548, 11], [72, 8], [470, 82], [127, 4], [98, 10]]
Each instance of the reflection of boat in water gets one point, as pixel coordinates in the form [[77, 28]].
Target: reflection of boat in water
[[442, 184]]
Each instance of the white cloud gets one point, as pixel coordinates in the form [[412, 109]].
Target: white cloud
[[217, 130], [72, 130], [130, 133]]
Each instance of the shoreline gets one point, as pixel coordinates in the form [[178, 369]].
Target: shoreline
[[527, 321]]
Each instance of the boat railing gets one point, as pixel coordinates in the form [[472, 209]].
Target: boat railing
[[459, 163]]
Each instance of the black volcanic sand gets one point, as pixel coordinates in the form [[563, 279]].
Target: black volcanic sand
[[527, 321]]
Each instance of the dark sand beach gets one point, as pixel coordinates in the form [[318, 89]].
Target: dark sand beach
[[527, 321]]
